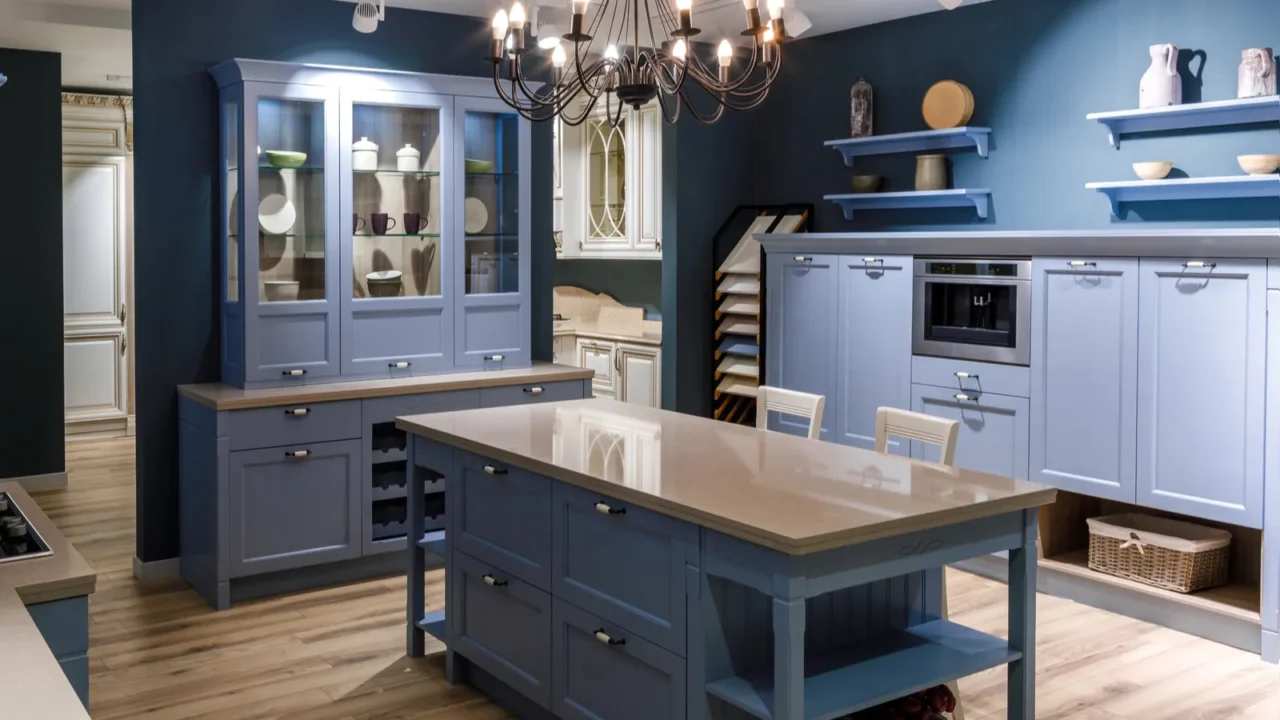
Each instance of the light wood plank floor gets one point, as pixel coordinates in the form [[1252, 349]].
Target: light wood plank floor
[[157, 651]]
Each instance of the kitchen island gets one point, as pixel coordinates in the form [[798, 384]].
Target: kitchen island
[[611, 561]]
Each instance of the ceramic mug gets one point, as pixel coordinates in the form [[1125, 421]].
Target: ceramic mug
[[414, 223], [379, 222], [357, 223]]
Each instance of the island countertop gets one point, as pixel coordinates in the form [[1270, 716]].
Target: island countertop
[[787, 493]]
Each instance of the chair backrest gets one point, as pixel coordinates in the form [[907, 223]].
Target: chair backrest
[[790, 402], [917, 426]]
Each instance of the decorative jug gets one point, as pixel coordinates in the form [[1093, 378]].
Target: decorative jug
[[860, 100], [1161, 84], [931, 172], [1257, 73]]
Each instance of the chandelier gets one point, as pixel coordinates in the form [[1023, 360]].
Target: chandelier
[[630, 52]]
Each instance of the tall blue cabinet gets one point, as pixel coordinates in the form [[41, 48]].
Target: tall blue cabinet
[[803, 297]]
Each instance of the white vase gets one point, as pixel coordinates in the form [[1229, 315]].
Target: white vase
[[1257, 73], [1161, 84]]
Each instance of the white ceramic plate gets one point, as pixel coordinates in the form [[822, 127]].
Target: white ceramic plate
[[383, 275], [276, 215], [477, 216]]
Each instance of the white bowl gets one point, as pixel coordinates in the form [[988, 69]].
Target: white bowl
[[384, 275], [1259, 164], [1152, 170], [281, 290]]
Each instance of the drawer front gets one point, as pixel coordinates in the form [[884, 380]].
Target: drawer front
[[530, 393], [293, 424], [623, 563], [995, 430], [387, 409], [504, 626], [603, 673], [503, 517], [598, 356], [1012, 380]]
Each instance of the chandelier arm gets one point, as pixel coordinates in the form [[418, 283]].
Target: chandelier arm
[[703, 119]]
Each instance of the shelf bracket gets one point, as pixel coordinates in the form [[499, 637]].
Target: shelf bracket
[[1112, 134], [981, 203]]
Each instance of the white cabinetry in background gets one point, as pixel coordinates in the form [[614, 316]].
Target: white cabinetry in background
[[623, 371]]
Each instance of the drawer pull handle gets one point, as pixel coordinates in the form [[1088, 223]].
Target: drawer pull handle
[[869, 260], [296, 372], [965, 398], [399, 365], [491, 470], [604, 509], [603, 637], [1199, 265], [533, 390], [297, 412], [1082, 263], [966, 376], [802, 258], [495, 358], [297, 453], [492, 581]]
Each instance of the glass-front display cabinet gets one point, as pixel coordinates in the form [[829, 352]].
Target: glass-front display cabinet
[[374, 225]]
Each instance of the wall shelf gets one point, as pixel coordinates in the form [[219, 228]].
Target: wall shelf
[[1212, 188], [962, 137], [1194, 115], [978, 198]]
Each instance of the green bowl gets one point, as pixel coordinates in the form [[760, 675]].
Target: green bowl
[[479, 166], [286, 158]]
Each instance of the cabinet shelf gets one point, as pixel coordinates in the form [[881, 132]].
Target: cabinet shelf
[[739, 366], [434, 542], [497, 175], [304, 170], [1212, 188], [433, 624], [398, 235], [738, 346], [1184, 117], [962, 137], [979, 198], [403, 173], [733, 385], [846, 681]]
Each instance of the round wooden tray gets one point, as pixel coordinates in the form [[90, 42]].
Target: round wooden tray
[[948, 104]]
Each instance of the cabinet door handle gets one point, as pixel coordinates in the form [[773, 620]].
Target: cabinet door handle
[[296, 372], [869, 260], [966, 376], [617, 361], [965, 398], [802, 258], [1199, 265], [1082, 263], [399, 365], [492, 581], [604, 509], [604, 637], [495, 358], [533, 390], [491, 470], [297, 453], [297, 412]]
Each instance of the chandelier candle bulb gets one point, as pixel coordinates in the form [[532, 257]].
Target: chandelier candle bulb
[[725, 55], [685, 8], [766, 46], [517, 16], [681, 50], [754, 23], [499, 35]]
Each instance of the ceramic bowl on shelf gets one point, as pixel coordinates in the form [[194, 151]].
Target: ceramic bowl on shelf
[[384, 283], [286, 158], [1259, 164], [479, 166], [281, 290], [867, 183], [1152, 170]]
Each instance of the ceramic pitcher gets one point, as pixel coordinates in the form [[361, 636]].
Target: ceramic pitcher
[[1161, 85], [1257, 73]]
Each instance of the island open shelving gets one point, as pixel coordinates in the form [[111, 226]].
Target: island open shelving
[[1185, 117], [1211, 188]]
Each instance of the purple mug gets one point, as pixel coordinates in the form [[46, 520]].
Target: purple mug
[[414, 223], [380, 221]]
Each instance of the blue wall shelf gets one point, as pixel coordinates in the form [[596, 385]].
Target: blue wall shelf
[[1195, 115], [962, 137], [1211, 188], [978, 198]]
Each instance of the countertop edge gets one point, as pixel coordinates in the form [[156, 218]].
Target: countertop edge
[[789, 546], [611, 337]]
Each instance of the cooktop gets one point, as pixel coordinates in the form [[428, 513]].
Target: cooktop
[[18, 539]]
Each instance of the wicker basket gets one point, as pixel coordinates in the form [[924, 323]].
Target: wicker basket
[[1164, 553]]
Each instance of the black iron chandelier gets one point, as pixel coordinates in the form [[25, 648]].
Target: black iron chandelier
[[630, 52]]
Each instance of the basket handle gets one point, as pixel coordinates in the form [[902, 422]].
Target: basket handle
[[1134, 541]]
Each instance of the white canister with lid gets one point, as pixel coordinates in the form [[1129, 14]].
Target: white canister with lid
[[364, 154], [408, 159]]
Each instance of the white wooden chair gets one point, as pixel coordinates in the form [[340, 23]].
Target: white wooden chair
[[935, 431], [790, 402]]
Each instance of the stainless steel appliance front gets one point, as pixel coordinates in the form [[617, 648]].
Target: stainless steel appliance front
[[973, 309]]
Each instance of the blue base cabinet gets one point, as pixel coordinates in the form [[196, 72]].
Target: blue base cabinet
[[64, 625], [994, 429], [802, 302]]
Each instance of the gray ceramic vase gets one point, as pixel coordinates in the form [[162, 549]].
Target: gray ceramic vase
[[931, 172]]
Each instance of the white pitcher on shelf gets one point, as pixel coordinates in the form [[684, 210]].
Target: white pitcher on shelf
[[1161, 84]]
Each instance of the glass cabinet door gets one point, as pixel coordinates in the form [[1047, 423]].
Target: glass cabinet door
[[606, 179]]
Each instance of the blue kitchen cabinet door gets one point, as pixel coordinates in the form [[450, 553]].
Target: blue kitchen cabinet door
[[803, 299], [874, 354], [1201, 388], [503, 517], [994, 429], [1084, 376], [294, 506]]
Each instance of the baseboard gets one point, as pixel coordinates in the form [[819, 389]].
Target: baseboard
[[98, 428], [166, 569], [40, 483], [131, 426]]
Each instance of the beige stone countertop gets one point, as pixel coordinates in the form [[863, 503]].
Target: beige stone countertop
[[648, 336], [788, 493], [220, 396], [35, 686]]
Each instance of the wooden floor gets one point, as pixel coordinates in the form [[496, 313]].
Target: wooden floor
[[157, 651]]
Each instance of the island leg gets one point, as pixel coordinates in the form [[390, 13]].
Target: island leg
[[1022, 621], [415, 644], [788, 659]]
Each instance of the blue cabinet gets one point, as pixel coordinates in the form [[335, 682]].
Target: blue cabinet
[[994, 429], [503, 517], [874, 347], [1201, 388], [1084, 375], [803, 298]]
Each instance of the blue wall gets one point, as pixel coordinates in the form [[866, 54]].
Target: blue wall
[[31, 406], [1036, 68], [176, 267]]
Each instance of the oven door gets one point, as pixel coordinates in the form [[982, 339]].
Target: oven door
[[970, 318]]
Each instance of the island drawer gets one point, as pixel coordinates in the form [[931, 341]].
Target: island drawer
[[623, 563], [601, 671], [966, 375], [503, 517], [530, 393], [504, 626], [302, 422]]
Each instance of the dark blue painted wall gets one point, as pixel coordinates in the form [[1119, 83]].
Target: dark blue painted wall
[[31, 406], [1036, 68], [176, 188], [637, 283]]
